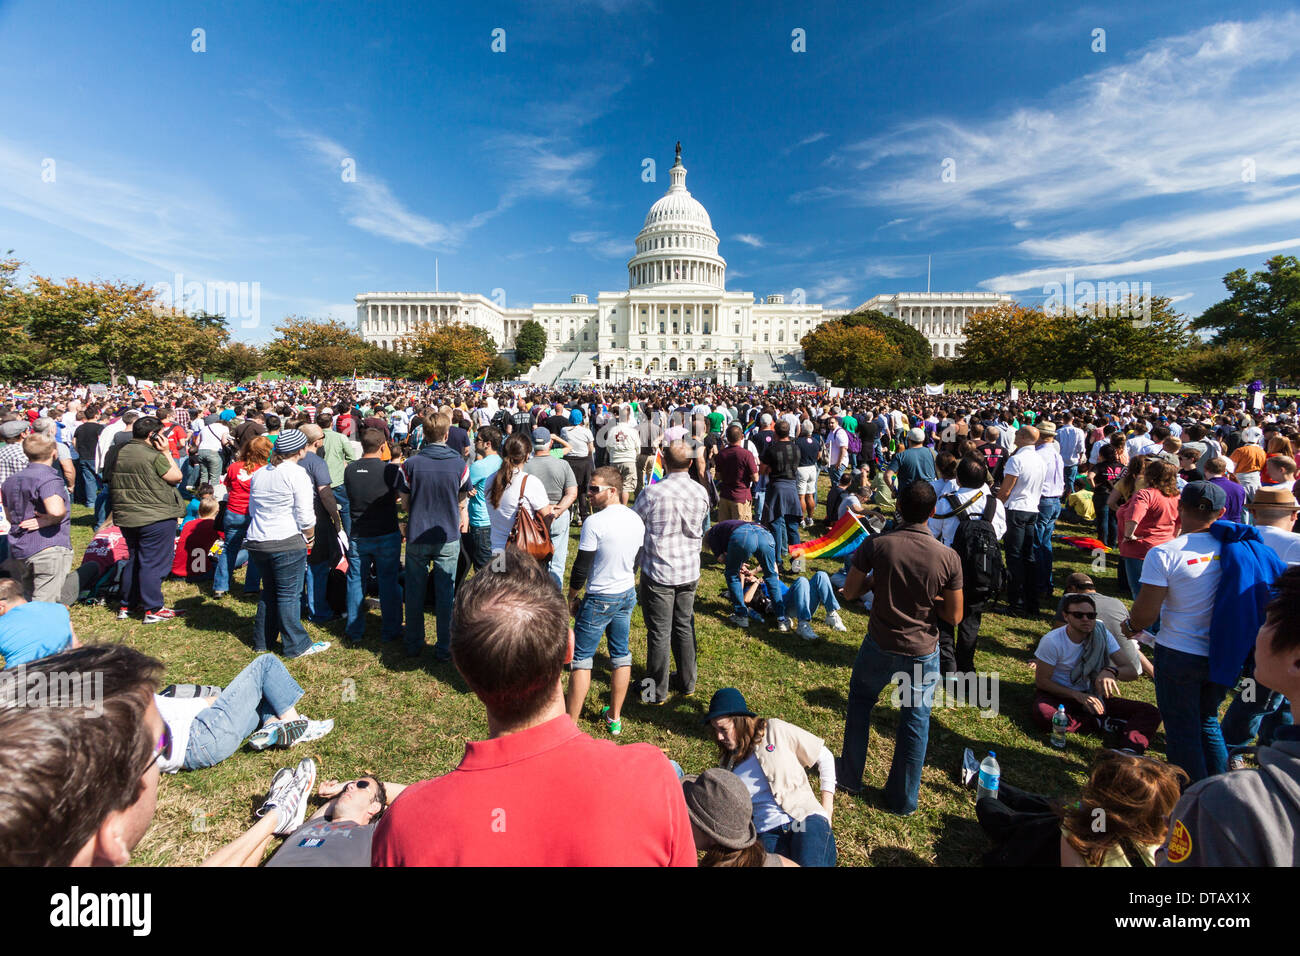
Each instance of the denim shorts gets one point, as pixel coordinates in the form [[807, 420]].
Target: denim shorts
[[604, 615]]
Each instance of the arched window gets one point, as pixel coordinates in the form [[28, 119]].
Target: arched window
[[672, 365]]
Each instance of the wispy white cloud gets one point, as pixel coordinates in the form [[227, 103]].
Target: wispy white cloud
[[749, 239], [1181, 297], [371, 206], [1134, 269], [601, 244], [1179, 117]]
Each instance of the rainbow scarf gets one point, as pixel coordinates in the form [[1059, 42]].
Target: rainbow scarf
[[843, 539]]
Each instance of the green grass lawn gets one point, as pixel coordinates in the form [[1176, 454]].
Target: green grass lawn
[[406, 721]]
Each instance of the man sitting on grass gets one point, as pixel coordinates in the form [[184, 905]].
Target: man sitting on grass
[[31, 629], [1078, 666]]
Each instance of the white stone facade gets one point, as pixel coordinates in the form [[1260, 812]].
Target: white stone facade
[[676, 318], [939, 316]]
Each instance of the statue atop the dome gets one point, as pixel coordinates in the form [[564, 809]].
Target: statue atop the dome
[[679, 152]]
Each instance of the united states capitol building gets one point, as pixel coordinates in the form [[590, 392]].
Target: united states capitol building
[[676, 319]]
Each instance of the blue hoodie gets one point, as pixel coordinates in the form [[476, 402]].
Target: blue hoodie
[[1249, 569]]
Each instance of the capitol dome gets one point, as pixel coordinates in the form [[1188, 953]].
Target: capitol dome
[[677, 245]]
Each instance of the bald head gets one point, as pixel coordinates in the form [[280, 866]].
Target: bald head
[[1026, 435]]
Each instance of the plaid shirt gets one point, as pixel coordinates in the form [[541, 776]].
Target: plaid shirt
[[12, 460], [673, 510], [181, 416]]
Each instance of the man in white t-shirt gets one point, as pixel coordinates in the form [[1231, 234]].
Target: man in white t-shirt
[[837, 451], [212, 438], [1180, 581], [1075, 673], [1021, 489], [1140, 443], [606, 564]]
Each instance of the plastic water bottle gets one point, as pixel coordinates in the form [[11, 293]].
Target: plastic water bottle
[[990, 774], [1059, 723]]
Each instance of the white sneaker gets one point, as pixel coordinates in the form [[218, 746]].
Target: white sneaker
[[293, 810], [316, 729], [783, 625], [315, 649], [276, 796], [833, 620], [805, 631]]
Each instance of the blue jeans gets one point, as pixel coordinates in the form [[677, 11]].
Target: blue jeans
[[279, 605], [314, 593], [873, 671], [1070, 473], [785, 531], [345, 508], [1248, 719], [1189, 704], [89, 480], [750, 539], [385, 553], [560, 542], [808, 843], [262, 689], [608, 616], [234, 556], [444, 558], [1049, 509], [103, 504], [1107, 523], [804, 597]]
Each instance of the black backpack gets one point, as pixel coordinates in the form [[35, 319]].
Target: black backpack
[[977, 545]]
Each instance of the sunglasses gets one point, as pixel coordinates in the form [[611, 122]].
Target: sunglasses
[[381, 796], [161, 749], [597, 489], [1086, 615]]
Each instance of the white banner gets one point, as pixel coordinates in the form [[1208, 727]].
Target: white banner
[[835, 392], [934, 389], [1015, 394], [1258, 404]]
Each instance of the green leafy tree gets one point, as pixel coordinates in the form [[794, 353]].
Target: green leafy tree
[[530, 344], [1131, 340], [1012, 343], [852, 355], [238, 361], [307, 348], [1263, 307], [913, 348], [450, 349], [386, 363], [1217, 368]]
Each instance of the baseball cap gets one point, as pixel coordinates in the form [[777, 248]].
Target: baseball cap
[[541, 436], [916, 435], [1252, 435], [1203, 495]]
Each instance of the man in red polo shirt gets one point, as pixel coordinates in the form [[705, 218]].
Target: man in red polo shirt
[[539, 791]]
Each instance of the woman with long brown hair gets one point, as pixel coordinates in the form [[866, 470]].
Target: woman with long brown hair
[[1132, 796], [1148, 518], [770, 757], [509, 486], [254, 454]]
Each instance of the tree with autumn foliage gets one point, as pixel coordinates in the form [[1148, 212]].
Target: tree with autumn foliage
[[310, 348], [851, 355], [450, 349], [1012, 343]]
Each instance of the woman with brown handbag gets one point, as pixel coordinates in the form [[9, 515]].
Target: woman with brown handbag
[[526, 527]]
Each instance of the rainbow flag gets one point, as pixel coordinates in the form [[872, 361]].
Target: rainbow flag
[[657, 473], [479, 382], [432, 379], [843, 539]]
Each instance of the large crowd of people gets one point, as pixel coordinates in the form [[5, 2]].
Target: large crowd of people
[[461, 505]]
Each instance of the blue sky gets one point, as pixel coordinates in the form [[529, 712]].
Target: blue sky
[[1172, 157]]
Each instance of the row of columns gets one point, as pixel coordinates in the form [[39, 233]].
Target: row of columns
[[402, 318], [670, 270]]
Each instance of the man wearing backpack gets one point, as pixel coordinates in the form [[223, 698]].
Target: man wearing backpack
[[971, 521]]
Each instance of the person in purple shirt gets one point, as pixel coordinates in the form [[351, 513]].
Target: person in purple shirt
[[1216, 474], [37, 505]]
